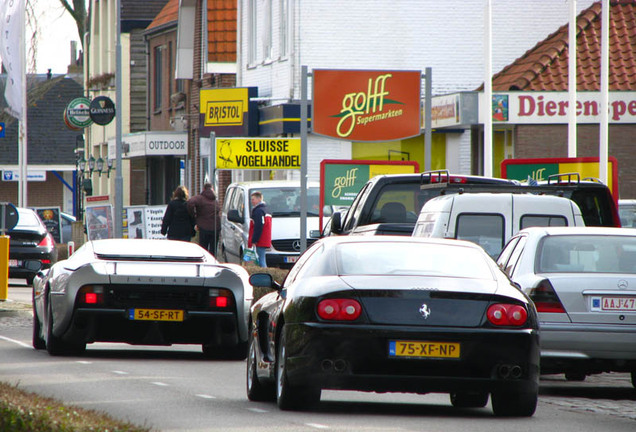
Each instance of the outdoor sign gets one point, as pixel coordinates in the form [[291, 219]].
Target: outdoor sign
[[52, 220], [144, 222], [228, 112], [102, 110], [540, 169], [1, 130], [77, 114], [454, 110], [341, 180], [366, 105], [552, 107], [258, 153], [151, 143], [99, 222]]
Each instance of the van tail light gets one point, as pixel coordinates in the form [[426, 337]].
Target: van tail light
[[220, 298], [502, 314], [47, 241], [545, 298], [339, 309], [91, 295]]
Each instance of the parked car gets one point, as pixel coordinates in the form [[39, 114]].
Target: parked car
[[394, 314], [142, 292], [283, 199], [583, 283], [29, 240], [490, 219], [627, 212]]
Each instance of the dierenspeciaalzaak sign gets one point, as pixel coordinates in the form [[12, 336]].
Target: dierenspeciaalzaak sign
[[258, 153], [366, 105], [553, 107]]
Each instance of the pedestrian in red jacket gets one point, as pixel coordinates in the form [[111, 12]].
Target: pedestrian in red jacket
[[260, 227]]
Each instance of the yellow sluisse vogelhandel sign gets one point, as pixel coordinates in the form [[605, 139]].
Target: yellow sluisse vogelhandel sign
[[258, 153]]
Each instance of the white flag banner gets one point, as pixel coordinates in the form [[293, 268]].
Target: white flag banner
[[11, 28]]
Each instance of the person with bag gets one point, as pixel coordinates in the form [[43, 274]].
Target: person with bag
[[206, 211], [177, 222], [260, 234]]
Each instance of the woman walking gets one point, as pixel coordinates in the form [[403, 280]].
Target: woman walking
[[177, 222]]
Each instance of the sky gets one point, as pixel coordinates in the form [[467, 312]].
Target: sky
[[57, 30]]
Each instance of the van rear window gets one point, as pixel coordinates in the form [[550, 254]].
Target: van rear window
[[531, 220], [487, 230]]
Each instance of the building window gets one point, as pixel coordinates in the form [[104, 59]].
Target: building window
[[267, 31], [251, 26], [158, 78], [284, 29]]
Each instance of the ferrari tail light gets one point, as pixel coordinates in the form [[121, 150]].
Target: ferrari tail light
[[545, 298], [91, 295], [220, 298], [338, 309], [502, 314], [47, 241]]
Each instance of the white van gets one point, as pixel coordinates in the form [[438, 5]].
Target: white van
[[283, 199], [490, 219]]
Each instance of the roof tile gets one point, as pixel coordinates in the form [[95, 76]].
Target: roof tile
[[545, 67]]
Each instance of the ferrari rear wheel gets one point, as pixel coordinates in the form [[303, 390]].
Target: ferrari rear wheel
[[510, 404], [575, 376], [256, 391], [634, 378], [290, 397], [469, 399]]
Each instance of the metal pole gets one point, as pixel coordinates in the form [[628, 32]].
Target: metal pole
[[487, 109], [119, 181], [303, 158], [604, 127], [572, 81], [428, 133]]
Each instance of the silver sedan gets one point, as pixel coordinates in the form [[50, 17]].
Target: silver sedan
[[583, 283], [142, 292]]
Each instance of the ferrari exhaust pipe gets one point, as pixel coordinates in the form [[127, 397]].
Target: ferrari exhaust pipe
[[340, 365], [326, 365]]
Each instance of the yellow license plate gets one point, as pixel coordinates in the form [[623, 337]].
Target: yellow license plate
[[424, 349], [155, 315]]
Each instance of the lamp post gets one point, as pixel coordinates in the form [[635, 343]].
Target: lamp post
[[91, 166], [109, 162]]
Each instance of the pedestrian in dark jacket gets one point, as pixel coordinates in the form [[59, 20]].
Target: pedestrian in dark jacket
[[260, 227], [177, 222], [206, 210]]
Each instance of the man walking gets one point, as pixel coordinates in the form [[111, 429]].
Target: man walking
[[206, 210], [260, 227]]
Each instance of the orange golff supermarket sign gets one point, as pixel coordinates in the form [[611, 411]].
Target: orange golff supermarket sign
[[366, 105]]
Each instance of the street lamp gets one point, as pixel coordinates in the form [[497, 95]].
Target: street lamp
[[91, 165], [99, 165], [109, 162]]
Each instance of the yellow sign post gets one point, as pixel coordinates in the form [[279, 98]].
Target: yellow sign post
[[4, 267]]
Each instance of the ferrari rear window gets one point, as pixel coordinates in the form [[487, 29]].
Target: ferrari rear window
[[401, 258]]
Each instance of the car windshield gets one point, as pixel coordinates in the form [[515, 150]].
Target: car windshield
[[402, 258], [285, 201], [27, 219], [587, 254]]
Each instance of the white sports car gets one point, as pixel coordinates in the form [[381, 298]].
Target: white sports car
[[142, 292]]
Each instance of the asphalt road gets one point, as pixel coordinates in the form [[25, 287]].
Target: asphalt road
[[176, 389]]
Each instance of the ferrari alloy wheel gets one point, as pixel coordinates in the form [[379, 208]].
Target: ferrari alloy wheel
[[256, 391], [290, 397], [469, 399], [511, 404], [634, 378]]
